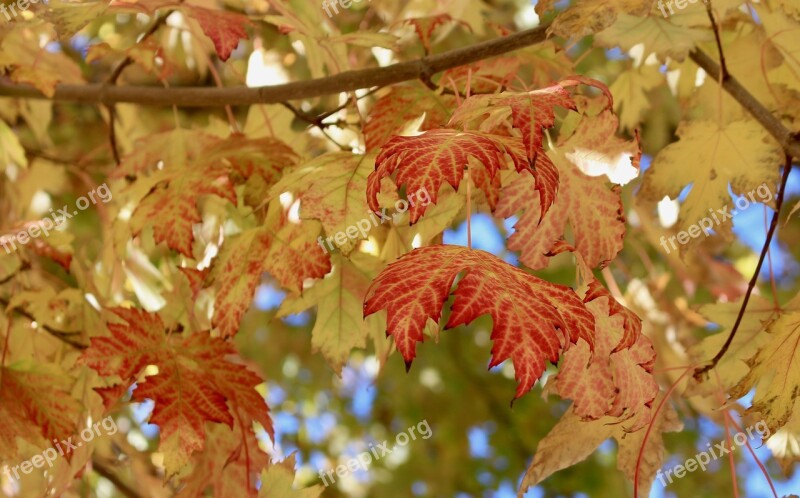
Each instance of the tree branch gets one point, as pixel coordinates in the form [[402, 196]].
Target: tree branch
[[106, 472], [786, 138], [347, 81], [58, 334]]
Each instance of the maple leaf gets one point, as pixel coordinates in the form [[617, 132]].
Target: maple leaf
[[27, 62], [402, 237], [534, 320], [424, 27], [659, 36], [531, 113], [592, 209], [148, 54], [572, 440], [632, 324], [630, 90], [484, 76], [750, 337], [285, 250], [11, 151], [195, 383], [588, 16], [785, 443], [227, 466], [608, 380], [183, 403], [437, 156], [331, 189], [36, 405], [170, 148], [339, 298], [224, 28], [709, 157], [404, 103], [71, 17], [171, 208], [774, 371], [232, 458], [278, 482], [256, 163], [594, 145]]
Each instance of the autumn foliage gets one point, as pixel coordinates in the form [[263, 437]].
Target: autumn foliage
[[560, 145]]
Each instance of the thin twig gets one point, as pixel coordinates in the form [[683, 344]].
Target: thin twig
[[58, 334], [787, 167], [123, 488], [724, 73], [112, 80]]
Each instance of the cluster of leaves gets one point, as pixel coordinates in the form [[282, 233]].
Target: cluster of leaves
[[149, 296]]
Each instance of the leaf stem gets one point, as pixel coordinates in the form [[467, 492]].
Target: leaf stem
[[787, 167]]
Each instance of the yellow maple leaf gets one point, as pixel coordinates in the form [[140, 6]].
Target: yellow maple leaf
[[630, 93], [339, 297], [590, 16], [277, 482], [658, 35], [331, 189], [709, 157], [572, 440], [774, 371], [749, 338]]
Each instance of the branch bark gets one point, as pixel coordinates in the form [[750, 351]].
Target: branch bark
[[347, 81], [786, 138]]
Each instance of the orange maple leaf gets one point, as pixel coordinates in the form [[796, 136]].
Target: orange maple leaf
[[196, 383], [534, 320], [287, 251], [255, 163], [608, 380], [35, 405], [592, 208]]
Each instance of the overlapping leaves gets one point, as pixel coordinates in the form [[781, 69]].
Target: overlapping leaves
[[195, 382]]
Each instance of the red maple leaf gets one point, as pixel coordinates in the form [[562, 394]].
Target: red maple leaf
[[224, 28], [196, 381], [437, 156], [534, 320]]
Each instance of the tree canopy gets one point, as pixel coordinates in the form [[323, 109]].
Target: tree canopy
[[451, 248]]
